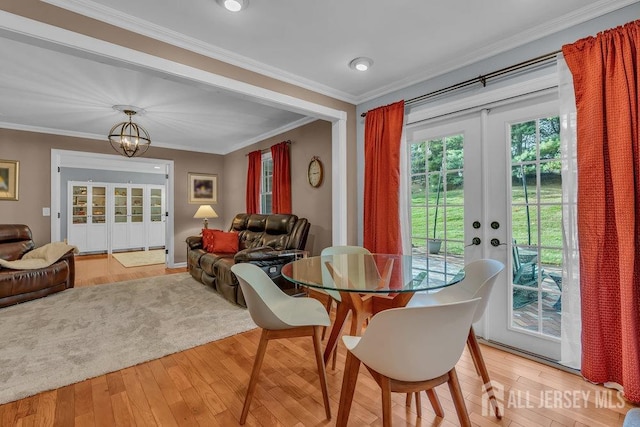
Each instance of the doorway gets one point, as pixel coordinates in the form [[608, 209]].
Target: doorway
[[487, 185], [61, 159]]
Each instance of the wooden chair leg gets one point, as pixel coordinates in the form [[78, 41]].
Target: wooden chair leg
[[435, 403], [407, 400], [473, 358], [476, 355], [328, 307], [334, 358], [385, 385], [349, 379], [317, 346], [458, 399], [418, 404], [255, 373]]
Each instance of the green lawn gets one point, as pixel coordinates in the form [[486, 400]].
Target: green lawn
[[550, 220]]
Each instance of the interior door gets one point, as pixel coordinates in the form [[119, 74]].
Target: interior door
[[488, 186]]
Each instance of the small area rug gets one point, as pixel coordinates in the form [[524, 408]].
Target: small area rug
[[138, 258], [85, 332]]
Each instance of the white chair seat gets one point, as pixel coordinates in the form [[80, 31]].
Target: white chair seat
[[408, 350], [477, 283], [280, 316], [300, 312]]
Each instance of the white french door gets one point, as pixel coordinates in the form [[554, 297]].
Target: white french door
[[487, 185]]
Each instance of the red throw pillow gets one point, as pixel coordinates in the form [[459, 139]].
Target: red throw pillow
[[225, 242], [208, 236]]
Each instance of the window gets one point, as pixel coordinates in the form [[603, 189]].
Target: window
[[266, 183]]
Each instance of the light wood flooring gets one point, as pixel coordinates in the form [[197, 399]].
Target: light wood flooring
[[205, 386]]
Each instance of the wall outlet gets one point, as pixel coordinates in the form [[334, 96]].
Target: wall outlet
[[46, 211]]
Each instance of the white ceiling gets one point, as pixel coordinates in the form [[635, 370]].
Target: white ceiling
[[305, 42]]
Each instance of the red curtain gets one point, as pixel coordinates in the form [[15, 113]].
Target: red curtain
[[382, 133], [606, 75], [254, 175], [281, 194]]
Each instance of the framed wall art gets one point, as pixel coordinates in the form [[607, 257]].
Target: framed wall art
[[203, 188], [9, 175]]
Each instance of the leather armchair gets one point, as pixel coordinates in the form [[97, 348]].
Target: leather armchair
[[268, 241], [17, 286]]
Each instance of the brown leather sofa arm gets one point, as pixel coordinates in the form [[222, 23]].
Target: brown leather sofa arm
[[194, 242], [262, 253]]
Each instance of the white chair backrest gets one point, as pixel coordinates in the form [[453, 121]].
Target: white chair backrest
[[338, 250], [261, 294], [416, 343], [479, 277]]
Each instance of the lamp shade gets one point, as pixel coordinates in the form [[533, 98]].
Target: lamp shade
[[205, 211]]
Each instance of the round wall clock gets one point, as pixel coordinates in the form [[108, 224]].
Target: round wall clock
[[315, 172]]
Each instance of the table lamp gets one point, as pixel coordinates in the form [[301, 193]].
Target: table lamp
[[205, 211]]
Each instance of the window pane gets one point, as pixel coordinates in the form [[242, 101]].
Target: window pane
[[418, 158], [419, 221], [523, 141], [418, 190]]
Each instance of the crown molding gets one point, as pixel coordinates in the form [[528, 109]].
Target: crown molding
[[293, 125], [224, 151], [119, 19]]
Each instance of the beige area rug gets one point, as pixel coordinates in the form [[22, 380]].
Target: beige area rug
[[82, 333], [138, 258]]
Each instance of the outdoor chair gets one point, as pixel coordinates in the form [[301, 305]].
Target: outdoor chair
[[280, 316], [408, 350], [479, 278], [526, 273]]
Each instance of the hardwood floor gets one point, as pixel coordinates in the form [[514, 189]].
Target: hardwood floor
[[205, 386]]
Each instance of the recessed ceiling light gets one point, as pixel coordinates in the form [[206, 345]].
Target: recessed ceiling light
[[361, 64], [234, 5]]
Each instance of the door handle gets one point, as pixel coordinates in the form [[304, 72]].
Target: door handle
[[475, 241]]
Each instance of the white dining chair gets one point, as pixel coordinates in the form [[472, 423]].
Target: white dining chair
[[280, 316], [478, 282], [408, 350]]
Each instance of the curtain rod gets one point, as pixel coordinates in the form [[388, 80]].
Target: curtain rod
[[266, 150], [483, 79]]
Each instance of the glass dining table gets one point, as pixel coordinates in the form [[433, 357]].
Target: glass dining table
[[368, 284]]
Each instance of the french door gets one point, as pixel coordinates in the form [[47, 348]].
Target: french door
[[487, 185]]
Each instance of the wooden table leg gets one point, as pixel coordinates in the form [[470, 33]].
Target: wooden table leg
[[360, 307]]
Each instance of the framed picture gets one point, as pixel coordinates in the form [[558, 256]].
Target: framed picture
[[203, 188], [9, 174]]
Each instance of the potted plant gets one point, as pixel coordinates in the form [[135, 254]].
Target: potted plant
[[434, 244]]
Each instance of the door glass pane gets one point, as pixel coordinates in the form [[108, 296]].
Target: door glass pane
[[437, 201], [79, 214], [137, 205], [155, 195], [120, 204], [98, 205], [536, 223]]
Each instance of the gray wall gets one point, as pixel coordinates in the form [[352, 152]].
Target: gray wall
[[545, 45]]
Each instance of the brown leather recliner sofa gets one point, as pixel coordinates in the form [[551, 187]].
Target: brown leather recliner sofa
[[23, 285], [269, 241]]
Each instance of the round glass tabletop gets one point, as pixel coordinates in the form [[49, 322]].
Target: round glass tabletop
[[375, 273]]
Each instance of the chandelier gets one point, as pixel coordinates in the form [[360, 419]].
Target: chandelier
[[129, 138]]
